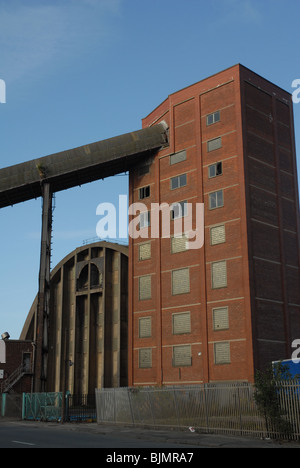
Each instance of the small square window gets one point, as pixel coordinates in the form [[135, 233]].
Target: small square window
[[144, 192], [220, 318], [213, 118], [179, 244], [219, 274], [179, 210], [145, 358], [178, 181], [215, 170], [145, 251], [217, 235], [216, 200], [177, 157], [180, 281], [182, 356], [145, 327], [144, 219], [222, 353], [214, 144], [145, 288], [181, 323]]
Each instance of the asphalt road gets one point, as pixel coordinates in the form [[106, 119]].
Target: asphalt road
[[25, 435], [115, 439]]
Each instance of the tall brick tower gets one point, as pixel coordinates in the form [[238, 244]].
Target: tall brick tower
[[222, 311]]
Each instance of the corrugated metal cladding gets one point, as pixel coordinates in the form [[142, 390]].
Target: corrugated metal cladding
[[88, 320]]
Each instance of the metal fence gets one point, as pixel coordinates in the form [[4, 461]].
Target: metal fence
[[210, 408], [81, 408], [49, 407], [42, 406]]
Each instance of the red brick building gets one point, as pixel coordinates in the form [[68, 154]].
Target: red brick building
[[16, 366], [219, 312]]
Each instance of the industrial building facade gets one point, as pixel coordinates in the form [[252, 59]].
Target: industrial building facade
[[220, 312], [158, 312]]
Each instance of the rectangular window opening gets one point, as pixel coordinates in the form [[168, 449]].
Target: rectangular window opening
[[182, 356], [181, 323], [145, 327], [145, 251], [214, 144], [222, 353], [220, 319], [179, 210], [217, 235], [213, 118], [216, 200], [144, 192], [215, 170], [145, 288], [219, 274], [180, 281], [145, 358], [178, 157], [145, 219], [178, 181]]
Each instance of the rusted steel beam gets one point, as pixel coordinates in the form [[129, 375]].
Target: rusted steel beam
[[79, 165]]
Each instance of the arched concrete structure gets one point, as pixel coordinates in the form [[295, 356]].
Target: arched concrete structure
[[87, 321]]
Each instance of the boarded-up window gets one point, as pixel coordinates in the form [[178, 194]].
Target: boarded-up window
[[145, 327], [144, 288], [217, 235], [181, 323], [177, 157], [214, 144], [145, 358], [181, 281], [145, 251], [179, 244], [219, 275], [220, 318], [182, 356], [222, 353]]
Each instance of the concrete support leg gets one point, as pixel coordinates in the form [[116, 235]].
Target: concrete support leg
[[41, 330]]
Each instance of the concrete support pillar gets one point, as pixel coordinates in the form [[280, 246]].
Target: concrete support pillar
[[41, 330]]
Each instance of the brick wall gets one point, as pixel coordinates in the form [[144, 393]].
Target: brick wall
[[273, 217], [186, 113], [15, 357]]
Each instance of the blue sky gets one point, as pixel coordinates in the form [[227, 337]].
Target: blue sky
[[79, 71]]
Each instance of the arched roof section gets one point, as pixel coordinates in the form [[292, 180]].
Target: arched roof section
[[28, 329]]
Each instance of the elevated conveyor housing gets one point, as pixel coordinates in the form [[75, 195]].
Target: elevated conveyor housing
[[78, 166]]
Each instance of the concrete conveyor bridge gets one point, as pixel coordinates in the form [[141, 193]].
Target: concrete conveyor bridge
[[80, 165]]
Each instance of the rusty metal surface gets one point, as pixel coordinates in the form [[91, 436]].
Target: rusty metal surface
[[79, 165]]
